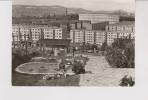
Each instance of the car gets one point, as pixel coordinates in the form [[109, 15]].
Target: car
[[48, 77]]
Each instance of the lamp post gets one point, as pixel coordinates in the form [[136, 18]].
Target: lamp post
[[13, 41], [73, 51], [26, 44]]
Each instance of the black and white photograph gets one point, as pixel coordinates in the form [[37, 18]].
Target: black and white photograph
[[73, 43]]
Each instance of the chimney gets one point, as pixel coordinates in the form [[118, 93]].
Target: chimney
[[66, 12], [84, 36]]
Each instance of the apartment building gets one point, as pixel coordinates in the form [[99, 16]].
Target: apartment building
[[120, 30], [100, 37], [90, 37], [87, 36], [77, 36], [33, 33]]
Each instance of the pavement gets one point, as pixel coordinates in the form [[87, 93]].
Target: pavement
[[101, 73]]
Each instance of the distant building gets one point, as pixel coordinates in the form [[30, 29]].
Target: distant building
[[52, 33], [97, 18], [81, 25], [99, 26], [120, 30]]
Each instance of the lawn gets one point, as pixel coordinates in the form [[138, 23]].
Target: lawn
[[19, 79], [69, 81], [36, 80], [24, 79]]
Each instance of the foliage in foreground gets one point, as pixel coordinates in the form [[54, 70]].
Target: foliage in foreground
[[78, 67], [22, 79], [18, 59], [127, 81], [121, 54]]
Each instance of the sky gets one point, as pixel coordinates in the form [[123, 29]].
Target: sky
[[108, 5]]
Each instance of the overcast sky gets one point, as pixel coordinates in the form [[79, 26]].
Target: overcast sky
[[128, 5]]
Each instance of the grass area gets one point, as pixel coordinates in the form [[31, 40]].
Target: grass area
[[24, 79], [19, 79], [36, 80], [69, 81]]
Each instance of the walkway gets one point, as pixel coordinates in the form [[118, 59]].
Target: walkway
[[102, 74]]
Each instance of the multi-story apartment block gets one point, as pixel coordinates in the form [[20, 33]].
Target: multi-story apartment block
[[97, 18], [77, 36], [48, 33], [15, 31], [58, 33], [111, 36], [20, 32], [120, 30], [36, 32], [100, 37], [87, 36]]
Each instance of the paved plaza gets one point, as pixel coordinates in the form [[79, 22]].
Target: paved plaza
[[101, 73]]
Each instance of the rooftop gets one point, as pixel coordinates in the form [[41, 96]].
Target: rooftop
[[125, 23], [100, 14]]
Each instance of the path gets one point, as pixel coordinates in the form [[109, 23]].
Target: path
[[102, 74]]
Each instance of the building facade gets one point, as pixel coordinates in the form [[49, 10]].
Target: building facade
[[97, 18], [100, 26], [87, 36], [90, 37], [77, 36], [100, 37], [35, 32], [53, 33], [81, 25], [120, 30]]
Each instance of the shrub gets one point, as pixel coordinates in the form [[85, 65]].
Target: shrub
[[78, 67], [127, 81], [121, 54]]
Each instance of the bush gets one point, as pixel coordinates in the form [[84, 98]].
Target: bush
[[127, 81], [104, 46], [78, 67], [121, 54]]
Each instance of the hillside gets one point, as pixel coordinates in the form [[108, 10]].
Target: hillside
[[29, 10]]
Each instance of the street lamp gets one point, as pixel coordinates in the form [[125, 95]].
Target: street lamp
[[73, 51]]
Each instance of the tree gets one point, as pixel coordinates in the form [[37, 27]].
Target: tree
[[78, 67], [121, 53], [104, 46]]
